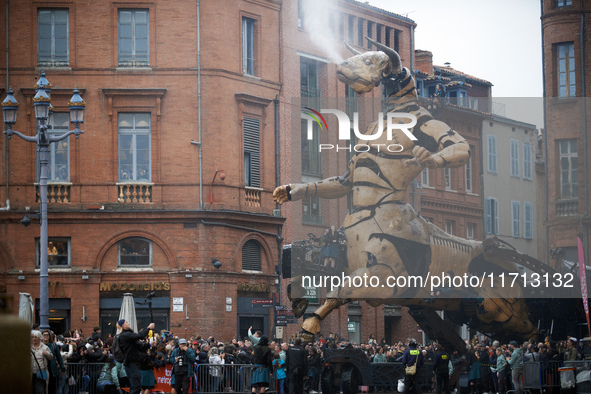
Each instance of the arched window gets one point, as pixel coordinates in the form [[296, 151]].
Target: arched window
[[251, 256], [135, 251]]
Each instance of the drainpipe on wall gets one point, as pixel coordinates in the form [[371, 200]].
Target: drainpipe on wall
[[7, 207], [198, 143], [545, 136], [277, 180], [412, 49], [481, 176], [279, 238], [585, 154]]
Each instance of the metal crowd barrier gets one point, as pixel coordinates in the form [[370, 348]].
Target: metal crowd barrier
[[229, 378], [545, 376], [237, 378], [84, 377]]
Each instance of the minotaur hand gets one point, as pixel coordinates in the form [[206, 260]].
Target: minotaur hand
[[422, 157], [281, 194]]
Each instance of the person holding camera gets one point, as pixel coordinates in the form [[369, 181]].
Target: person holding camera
[[130, 343], [183, 359]]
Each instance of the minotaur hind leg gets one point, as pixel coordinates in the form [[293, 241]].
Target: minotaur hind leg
[[311, 325], [296, 293], [510, 313]]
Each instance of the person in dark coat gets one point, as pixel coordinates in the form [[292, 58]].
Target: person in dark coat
[[97, 334], [412, 356], [440, 92], [314, 368], [56, 364], [485, 372], [263, 360], [296, 365], [80, 355], [474, 362], [245, 356], [128, 340], [441, 369]]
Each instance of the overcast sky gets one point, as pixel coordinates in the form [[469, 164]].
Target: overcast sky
[[499, 41]]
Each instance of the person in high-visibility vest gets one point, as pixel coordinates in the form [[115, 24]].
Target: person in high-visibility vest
[[412, 359]]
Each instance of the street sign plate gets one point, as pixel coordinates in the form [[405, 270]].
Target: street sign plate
[[262, 302]]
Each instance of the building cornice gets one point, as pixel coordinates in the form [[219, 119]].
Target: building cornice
[[448, 207]]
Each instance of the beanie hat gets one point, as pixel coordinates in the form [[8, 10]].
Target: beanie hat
[[120, 322]]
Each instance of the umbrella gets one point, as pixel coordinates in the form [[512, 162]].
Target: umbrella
[[26, 309], [128, 311]]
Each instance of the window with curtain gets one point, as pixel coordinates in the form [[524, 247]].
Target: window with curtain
[[449, 226], [58, 252], [492, 215], [468, 174], [311, 158], [566, 69], [425, 177], [52, 37], [447, 178], [569, 168], [135, 251], [135, 151], [248, 31], [133, 38], [59, 152], [563, 3], [311, 212], [470, 230]]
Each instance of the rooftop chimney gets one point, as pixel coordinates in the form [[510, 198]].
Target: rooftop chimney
[[424, 61]]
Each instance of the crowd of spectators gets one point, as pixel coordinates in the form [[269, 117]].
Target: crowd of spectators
[[488, 366]]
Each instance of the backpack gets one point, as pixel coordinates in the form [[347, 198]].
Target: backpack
[[117, 350]]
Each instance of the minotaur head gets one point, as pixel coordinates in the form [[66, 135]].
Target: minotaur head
[[364, 71]]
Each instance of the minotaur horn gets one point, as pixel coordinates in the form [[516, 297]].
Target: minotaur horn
[[392, 54], [355, 51]]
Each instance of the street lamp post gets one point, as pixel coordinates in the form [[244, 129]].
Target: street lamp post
[[42, 105]]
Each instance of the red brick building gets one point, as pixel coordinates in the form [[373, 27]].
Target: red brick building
[[566, 44], [139, 203]]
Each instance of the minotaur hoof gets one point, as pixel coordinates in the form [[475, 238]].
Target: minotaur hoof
[[299, 307]]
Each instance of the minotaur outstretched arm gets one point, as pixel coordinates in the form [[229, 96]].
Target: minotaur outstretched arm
[[333, 187]]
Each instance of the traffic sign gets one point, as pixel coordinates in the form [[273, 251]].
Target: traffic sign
[[284, 320], [284, 312], [262, 302]]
